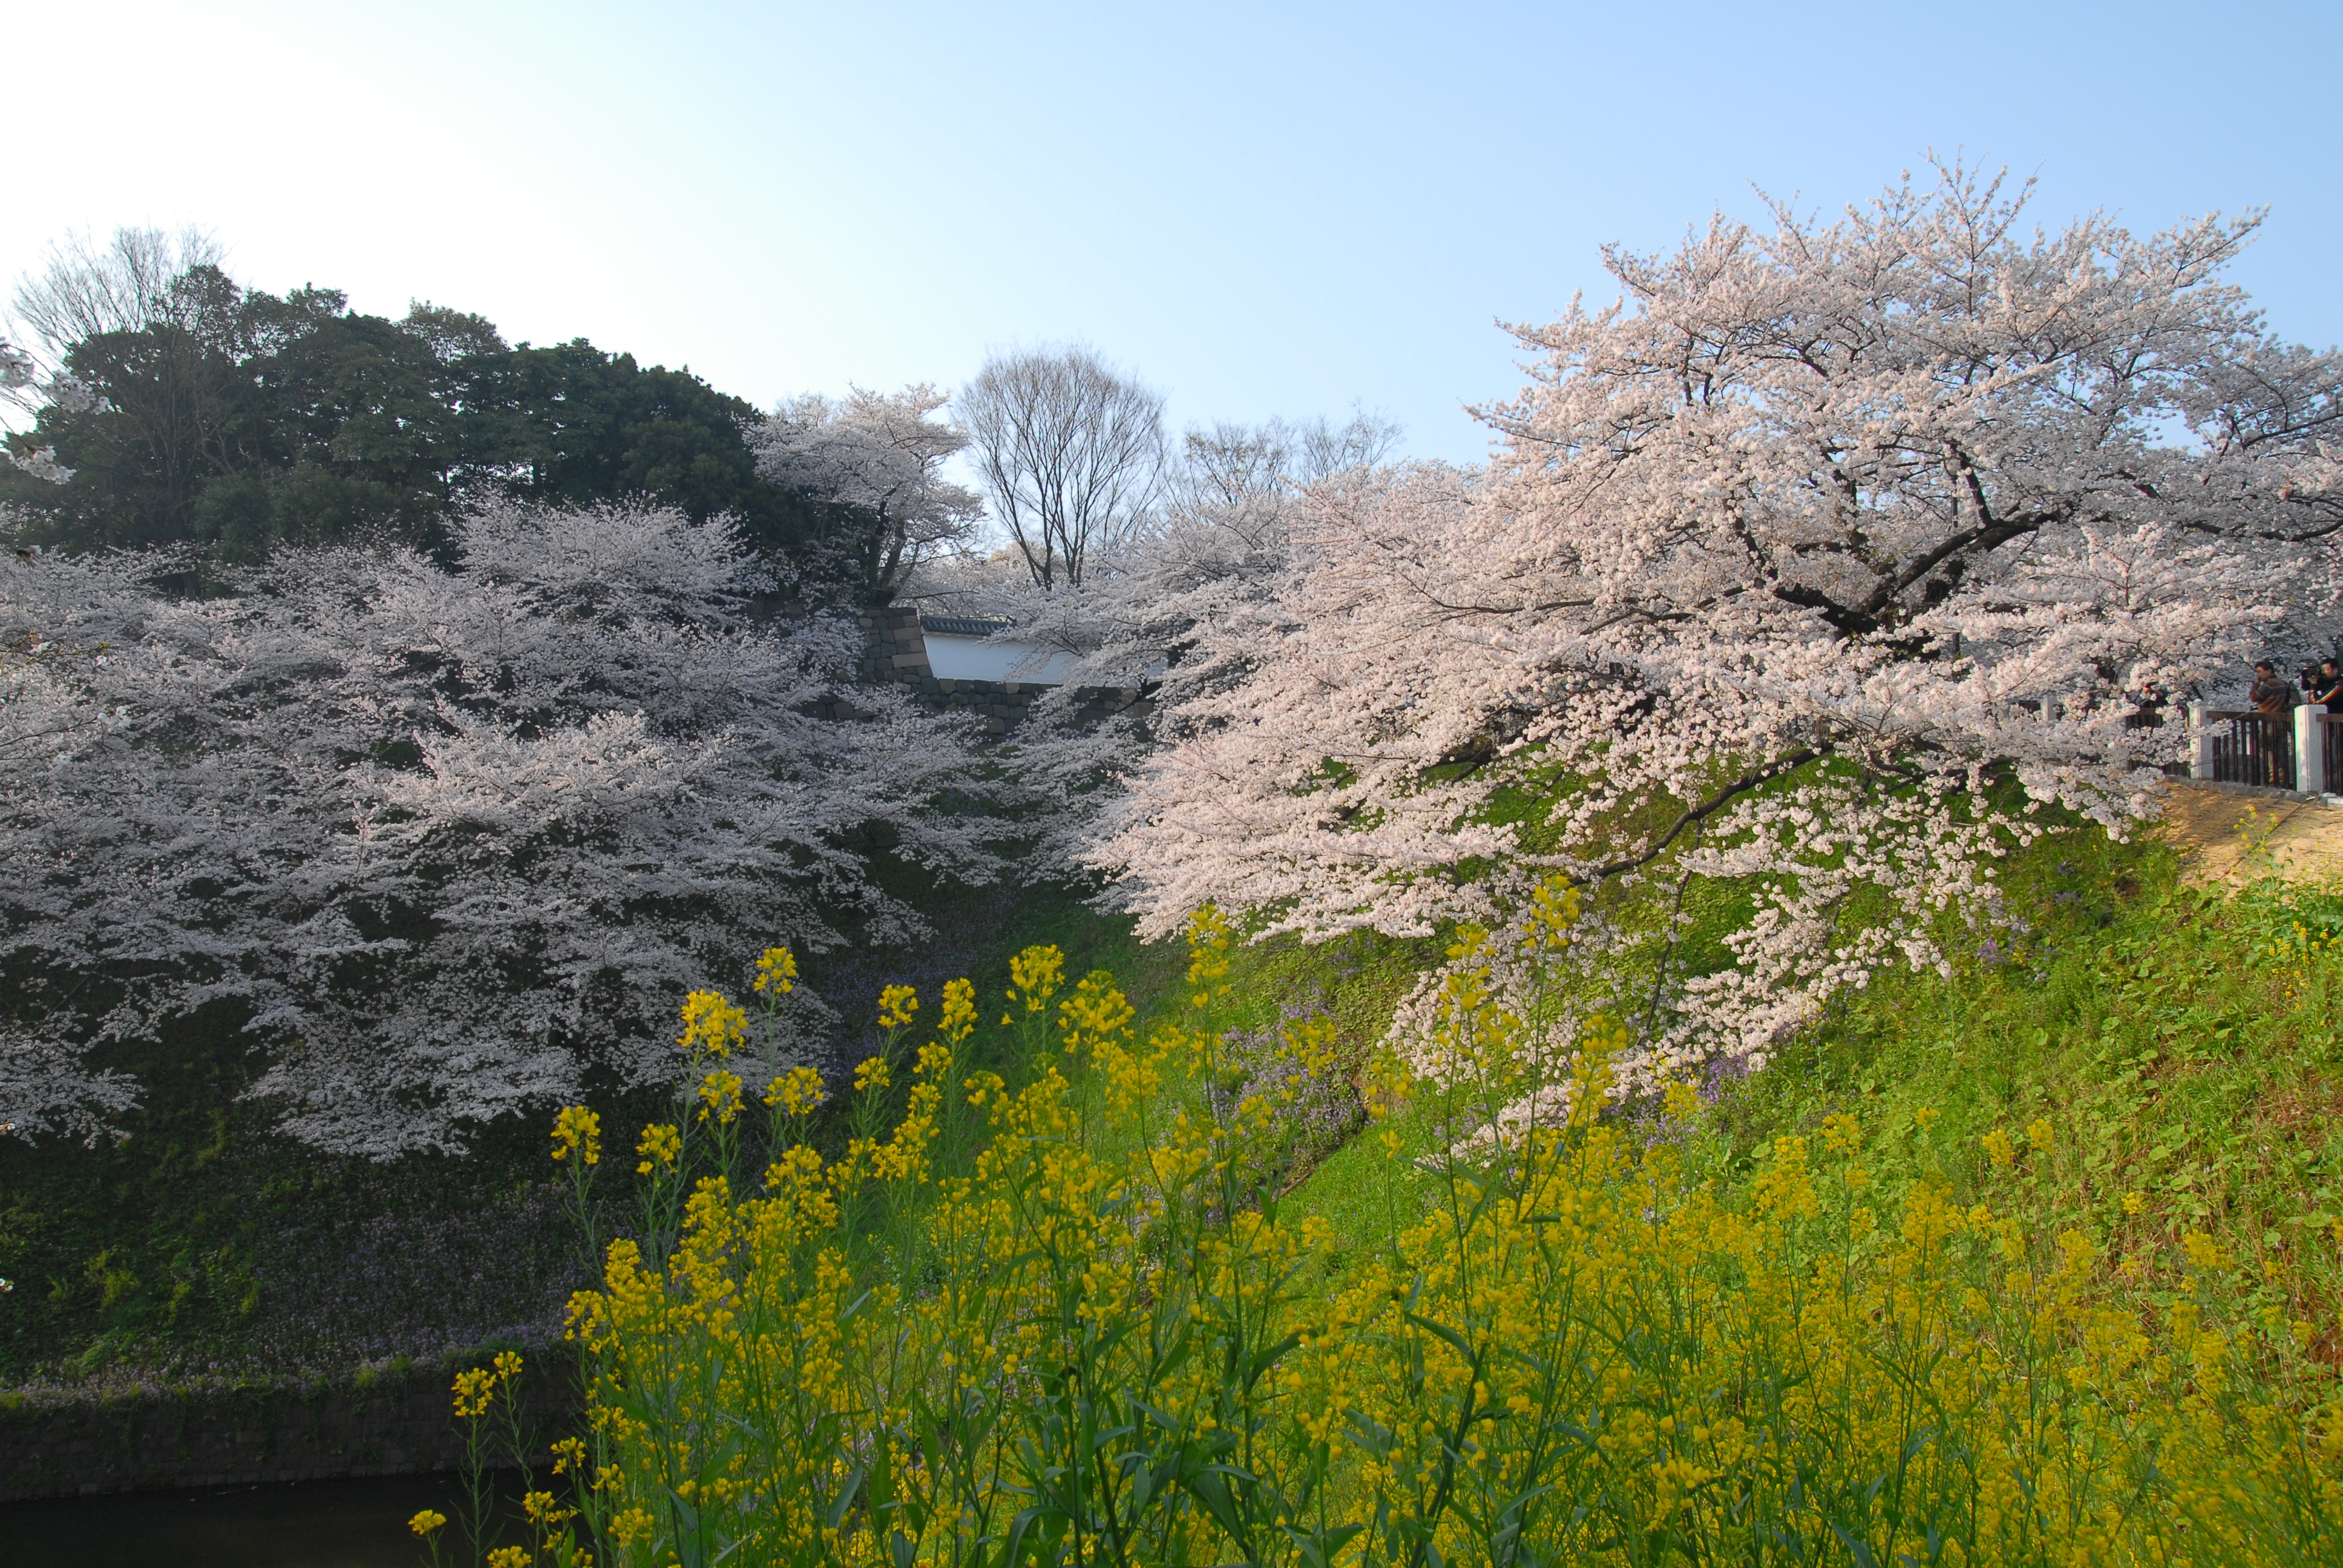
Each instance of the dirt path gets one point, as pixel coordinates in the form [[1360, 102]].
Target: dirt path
[[2232, 834]]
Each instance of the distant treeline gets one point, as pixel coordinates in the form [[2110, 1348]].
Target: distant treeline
[[241, 420]]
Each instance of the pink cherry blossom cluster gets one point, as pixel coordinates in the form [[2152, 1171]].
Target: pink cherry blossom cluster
[[443, 841], [1823, 565]]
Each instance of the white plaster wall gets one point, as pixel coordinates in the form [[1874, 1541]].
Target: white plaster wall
[[951, 658]]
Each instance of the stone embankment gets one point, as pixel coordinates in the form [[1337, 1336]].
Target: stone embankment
[[393, 1423]]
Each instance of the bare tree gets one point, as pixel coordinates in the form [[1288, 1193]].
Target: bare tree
[[1231, 464], [126, 286], [1322, 448], [1070, 453], [133, 329]]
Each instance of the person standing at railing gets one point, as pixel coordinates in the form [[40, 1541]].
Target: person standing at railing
[[2272, 697], [2325, 686]]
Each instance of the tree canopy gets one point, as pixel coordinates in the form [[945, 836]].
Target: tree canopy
[[193, 410], [1814, 569], [447, 842]]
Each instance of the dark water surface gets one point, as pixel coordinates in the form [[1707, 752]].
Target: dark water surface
[[295, 1524]]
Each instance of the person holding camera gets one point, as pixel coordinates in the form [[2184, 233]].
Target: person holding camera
[[2271, 698], [2324, 685]]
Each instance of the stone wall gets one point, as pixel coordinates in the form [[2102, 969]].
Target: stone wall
[[391, 1424], [896, 648]]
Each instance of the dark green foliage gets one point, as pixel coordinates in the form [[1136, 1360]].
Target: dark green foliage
[[245, 420], [584, 426]]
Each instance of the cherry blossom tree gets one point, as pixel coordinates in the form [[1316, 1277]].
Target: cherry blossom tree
[[23, 387], [878, 458], [443, 841], [1822, 564]]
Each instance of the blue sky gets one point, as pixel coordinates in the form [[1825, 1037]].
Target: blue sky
[[1262, 209]]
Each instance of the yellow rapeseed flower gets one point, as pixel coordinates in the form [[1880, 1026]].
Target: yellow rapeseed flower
[[1034, 977], [425, 1522], [1842, 1134], [1096, 1015], [661, 1146], [2203, 1251], [1553, 910], [1209, 935], [577, 1130], [630, 1526], [760, 1365], [776, 972], [796, 1091], [1680, 1101], [719, 1096], [475, 1390], [712, 1025], [871, 1073], [959, 1012], [2037, 1133], [1999, 1149]]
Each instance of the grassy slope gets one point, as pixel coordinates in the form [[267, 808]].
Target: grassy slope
[[2174, 1052], [2184, 1046], [204, 1246]]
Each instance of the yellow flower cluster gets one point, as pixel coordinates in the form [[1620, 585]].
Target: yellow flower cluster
[[1035, 976], [719, 1096], [1553, 914], [1095, 1017], [898, 1005], [776, 972], [577, 1130], [1111, 1339], [796, 1091], [711, 1026], [661, 1147], [958, 1020], [476, 1389], [1209, 935]]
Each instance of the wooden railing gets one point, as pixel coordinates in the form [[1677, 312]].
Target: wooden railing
[[2301, 749], [2250, 747]]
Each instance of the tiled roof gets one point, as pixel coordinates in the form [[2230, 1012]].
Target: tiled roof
[[965, 625]]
